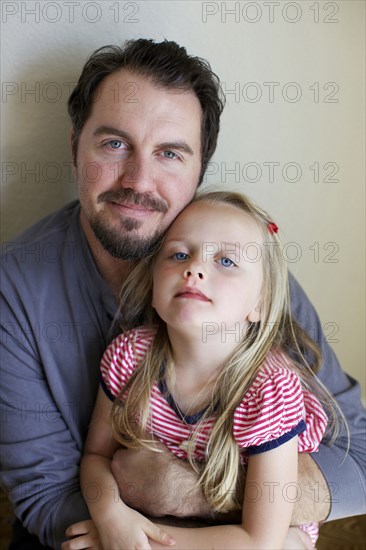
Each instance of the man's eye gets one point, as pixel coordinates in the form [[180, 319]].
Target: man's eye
[[115, 144], [180, 256], [170, 154], [226, 262]]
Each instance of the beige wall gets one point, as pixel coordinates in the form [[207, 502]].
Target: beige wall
[[292, 132]]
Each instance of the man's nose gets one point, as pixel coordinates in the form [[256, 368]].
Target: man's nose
[[137, 173]]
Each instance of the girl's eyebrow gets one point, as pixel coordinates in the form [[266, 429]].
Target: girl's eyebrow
[[177, 145], [174, 242], [227, 247]]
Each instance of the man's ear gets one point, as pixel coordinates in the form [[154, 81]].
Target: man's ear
[[72, 136]]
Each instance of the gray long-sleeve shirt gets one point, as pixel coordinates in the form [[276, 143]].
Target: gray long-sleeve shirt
[[56, 315]]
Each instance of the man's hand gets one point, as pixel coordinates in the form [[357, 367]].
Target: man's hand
[[158, 483]]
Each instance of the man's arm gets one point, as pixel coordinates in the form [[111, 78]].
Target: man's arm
[[343, 472], [39, 455], [160, 484]]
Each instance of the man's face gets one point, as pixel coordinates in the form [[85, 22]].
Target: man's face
[[138, 162]]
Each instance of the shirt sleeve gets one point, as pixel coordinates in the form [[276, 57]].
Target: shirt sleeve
[[342, 467], [316, 424], [39, 452], [122, 357], [271, 413]]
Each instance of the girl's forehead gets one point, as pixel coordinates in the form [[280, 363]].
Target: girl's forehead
[[203, 213], [219, 217]]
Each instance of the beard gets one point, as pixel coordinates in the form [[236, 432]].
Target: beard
[[123, 242]]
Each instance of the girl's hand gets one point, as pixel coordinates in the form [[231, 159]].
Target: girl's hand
[[132, 531], [83, 534]]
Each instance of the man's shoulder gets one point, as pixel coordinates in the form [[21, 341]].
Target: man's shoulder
[[58, 222], [301, 307], [43, 248], [45, 238]]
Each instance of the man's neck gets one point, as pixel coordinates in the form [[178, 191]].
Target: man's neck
[[113, 270]]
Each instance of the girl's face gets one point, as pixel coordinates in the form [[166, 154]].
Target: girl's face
[[208, 274]]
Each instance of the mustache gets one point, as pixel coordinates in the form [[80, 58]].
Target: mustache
[[129, 196]]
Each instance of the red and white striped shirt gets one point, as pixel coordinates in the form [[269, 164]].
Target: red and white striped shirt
[[273, 410]]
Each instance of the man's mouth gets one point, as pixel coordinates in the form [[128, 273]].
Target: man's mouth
[[132, 208], [130, 200]]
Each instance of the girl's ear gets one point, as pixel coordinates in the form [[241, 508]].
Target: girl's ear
[[255, 315]]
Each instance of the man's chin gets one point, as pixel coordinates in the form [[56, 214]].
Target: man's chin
[[125, 244]]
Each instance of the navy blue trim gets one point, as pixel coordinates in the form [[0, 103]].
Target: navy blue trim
[[187, 418], [274, 443], [107, 391]]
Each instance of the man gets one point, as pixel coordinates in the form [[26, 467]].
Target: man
[[145, 124]]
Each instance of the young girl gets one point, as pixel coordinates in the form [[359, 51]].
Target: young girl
[[217, 372]]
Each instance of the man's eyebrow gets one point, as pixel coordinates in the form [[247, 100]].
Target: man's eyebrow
[[177, 145], [103, 130]]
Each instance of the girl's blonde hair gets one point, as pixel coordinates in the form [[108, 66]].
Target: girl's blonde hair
[[219, 474]]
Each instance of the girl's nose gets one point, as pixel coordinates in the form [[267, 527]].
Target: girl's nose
[[191, 272]]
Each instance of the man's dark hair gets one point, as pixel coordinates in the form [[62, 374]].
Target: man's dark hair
[[167, 65]]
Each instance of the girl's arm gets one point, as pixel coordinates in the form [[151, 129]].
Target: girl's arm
[[270, 491], [117, 525]]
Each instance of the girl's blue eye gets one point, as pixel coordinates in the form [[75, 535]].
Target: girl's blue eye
[[180, 256], [226, 262]]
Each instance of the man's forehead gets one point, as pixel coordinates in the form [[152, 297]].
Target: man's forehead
[[124, 86]]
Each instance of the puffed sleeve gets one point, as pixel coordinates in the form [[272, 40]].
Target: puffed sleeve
[[122, 357], [272, 411], [316, 424]]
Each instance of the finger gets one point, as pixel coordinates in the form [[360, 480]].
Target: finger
[[159, 535], [80, 528], [77, 543], [71, 545]]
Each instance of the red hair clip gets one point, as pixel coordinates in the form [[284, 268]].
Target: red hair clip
[[272, 228]]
